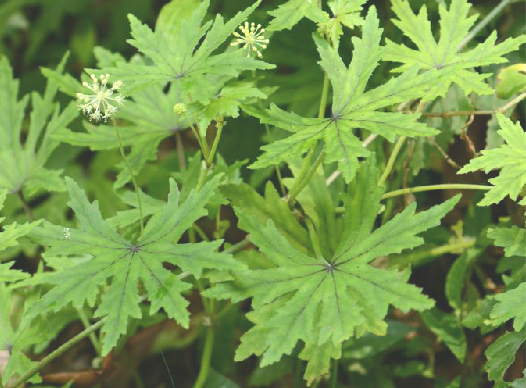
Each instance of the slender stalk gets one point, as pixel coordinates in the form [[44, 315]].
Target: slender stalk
[[202, 176], [29, 214], [206, 358], [303, 171], [135, 185], [180, 150], [294, 193], [483, 23], [447, 186], [93, 338], [202, 141], [239, 246], [334, 374], [220, 124], [390, 162], [61, 350]]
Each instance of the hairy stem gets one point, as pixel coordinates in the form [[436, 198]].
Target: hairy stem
[[132, 175], [447, 186], [57, 353], [239, 246], [29, 214], [92, 336], [180, 150], [220, 124], [390, 162], [206, 358], [483, 23]]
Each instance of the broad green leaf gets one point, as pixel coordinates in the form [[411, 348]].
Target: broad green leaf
[[448, 329], [189, 56], [288, 14], [352, 107], [323, 301], [23, 164], [509, 158], [501, 354], [124, 263], [172, 15], [447, 53], [513, 240]]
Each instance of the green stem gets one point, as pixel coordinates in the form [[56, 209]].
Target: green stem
[[202, 141], [132, 175], [93, 338], [324, 94], [239, 246], [220, 124], [334, 374], [305, 181], [200, 232], [61, 350], [390, 162], [447, 186], [206, 358], [483, 23], [202, 177]]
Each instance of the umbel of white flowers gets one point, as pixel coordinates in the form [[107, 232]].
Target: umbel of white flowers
[[252, 38], [103, 102]]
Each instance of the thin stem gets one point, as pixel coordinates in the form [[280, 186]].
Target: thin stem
[[61, 350], [447, 186], [206, 358], [334, 374], [200, 232], [29, 214], [239, 246], [324, 94], [180, 150], [93, 338], [483, 23], [202, 141], [220, 124], [390, 162], [202, 176], [294, 193], [132, 175]]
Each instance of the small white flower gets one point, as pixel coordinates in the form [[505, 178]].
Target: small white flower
[[252, 38], [102, 103]]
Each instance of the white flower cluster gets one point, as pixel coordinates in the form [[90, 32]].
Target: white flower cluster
[[252, 38], [102, 103]]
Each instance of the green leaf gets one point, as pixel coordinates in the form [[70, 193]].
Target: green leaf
[[190, 56], [513, 240], [23, 164], [323, 301], [507, 307], [352, 107], [511, 80], [456, 278], [501, 354], [455, 25], [125, 263], [448, 329], [345, 13], [509, 158], [288, 14], [172, 15]]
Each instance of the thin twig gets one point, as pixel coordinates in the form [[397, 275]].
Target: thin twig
[[465, 136], [448, 159]]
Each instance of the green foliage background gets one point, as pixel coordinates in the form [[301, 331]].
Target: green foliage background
[[398, 298]]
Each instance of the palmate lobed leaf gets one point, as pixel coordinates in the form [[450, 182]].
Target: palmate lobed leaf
[[353, 107], [187, 53], [322, 301], [447, 53], [509, 158], [119, 264], [23, 164]]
